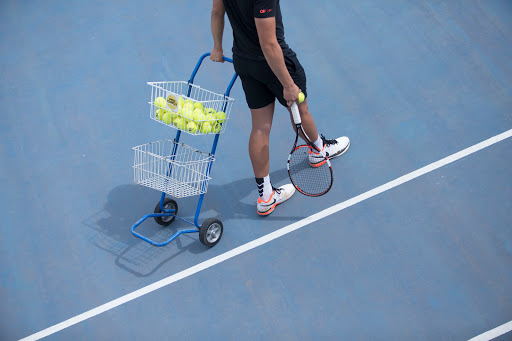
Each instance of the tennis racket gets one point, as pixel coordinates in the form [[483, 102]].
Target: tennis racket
[[309, 169]]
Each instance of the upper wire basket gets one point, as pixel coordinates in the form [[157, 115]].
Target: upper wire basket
[[176, 169], [189, 108]]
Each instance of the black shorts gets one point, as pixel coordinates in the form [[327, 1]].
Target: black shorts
[[261, 85]]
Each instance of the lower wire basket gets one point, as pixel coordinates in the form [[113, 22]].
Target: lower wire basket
[[174, 168]]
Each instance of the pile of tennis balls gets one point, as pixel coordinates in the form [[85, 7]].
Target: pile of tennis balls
[[190, 116]]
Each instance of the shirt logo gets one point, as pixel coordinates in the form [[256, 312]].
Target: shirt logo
[[263, 11]]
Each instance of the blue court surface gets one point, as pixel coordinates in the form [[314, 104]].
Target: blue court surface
[[412, 83]]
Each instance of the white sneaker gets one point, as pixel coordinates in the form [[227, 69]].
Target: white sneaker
[[279, 195], [332, 149]]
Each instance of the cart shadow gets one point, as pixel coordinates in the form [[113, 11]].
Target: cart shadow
[[111, 227], [110, 231]]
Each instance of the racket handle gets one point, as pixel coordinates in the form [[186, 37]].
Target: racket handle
[[295, 113]]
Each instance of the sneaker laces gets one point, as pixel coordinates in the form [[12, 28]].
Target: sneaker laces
[[328, 142], [277, 190]]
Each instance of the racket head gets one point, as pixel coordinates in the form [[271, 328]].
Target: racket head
[[310, 174]]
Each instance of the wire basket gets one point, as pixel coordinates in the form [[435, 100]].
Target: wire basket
[[189, 108], [176, 169]]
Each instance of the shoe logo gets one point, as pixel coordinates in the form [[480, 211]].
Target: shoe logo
[[269, 204]]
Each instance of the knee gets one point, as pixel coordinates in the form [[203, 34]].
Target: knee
[[261, 131]]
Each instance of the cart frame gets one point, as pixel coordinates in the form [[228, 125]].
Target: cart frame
[[166, 213]]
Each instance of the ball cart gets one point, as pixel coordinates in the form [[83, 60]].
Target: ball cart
[[174, 168]]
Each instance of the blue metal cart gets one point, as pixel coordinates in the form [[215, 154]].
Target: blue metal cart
[[175, 168]]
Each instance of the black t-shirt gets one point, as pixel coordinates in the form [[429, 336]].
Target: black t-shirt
[[241, 14]]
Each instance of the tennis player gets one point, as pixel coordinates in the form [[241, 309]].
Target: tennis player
[[268, 69]]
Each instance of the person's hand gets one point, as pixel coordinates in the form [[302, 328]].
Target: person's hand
[[217, 55], [291, 94]]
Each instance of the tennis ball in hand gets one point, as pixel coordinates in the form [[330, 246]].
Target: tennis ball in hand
[[205, 127], [301, 97], [192, 127], [160, 102], [220, 116]]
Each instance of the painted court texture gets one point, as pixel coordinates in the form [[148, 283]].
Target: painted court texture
[[413, 242]]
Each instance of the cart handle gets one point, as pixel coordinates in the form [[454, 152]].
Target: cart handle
[[191, 80]]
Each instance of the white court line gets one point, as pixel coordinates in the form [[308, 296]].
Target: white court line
[[266, 238], [494, 333]]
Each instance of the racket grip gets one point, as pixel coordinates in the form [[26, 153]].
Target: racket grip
[[295, 113]]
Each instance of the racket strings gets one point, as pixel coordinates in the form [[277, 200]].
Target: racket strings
[[308, 175]]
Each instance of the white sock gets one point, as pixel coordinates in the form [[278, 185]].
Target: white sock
[[264, 187], [267, 188], [319, 143]]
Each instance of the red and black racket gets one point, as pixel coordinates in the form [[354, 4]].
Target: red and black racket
[[309, 168]]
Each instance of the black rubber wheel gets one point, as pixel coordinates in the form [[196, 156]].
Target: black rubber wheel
[[168, 204], [210, 232]]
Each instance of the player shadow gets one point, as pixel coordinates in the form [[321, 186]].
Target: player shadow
[[110, 229], [237, 199]]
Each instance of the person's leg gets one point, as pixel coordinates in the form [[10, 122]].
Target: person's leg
[[259, 139], [269, 197], [261, 102]]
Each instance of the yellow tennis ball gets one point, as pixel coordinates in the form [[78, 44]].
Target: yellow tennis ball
[[179, 123], [187, 113], [159, 113], [167, 118], [172, 114], [209, 111], [160, 102], [301, 97], [216, 128], [192, 127], [181, 102], [205, 127], [198, 105], [210, 117], [198, 114], [188, 106], [220, 116]]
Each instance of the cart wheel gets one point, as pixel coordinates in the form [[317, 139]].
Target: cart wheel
[[169, 204], [210, 232]]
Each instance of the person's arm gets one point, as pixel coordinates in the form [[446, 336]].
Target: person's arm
[[273, 53], [217, 26]]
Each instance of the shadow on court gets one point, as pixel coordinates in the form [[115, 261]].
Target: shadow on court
[[126, 204]]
